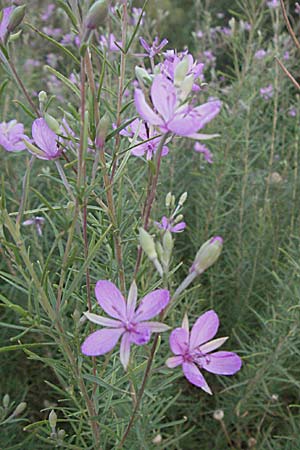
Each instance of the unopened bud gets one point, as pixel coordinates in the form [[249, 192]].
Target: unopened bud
[[183, 198], [101, 131], [61, 434], [207, 255], [218, 414], [52, 123], [179, 218], [157, 440], [181, 71], [168, 242], [186, 86], [20, 408], [168, 199], [5, 401], [16, 18], [142, 76], [43, 97], [52, 419], [96, 15], [147, 244]]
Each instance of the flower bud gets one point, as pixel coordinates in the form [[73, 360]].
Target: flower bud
[[168, 242], [42, 97], [218, 414], [182, 199], [96, 15], [52, 123], [207, 255], [61, 434], [157, 440], [5, 401], [147, 244], [16, 18], [101, 131], [181, 71], [20, 408], [168, 199], [142, 76], [177, 219], [52, 419]]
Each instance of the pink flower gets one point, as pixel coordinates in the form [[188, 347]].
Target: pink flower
[[155, 48], [266, 92], [193, 349], [169, 115], [168, 224], [127, 321], [110, 43], [45, 139], [12, 136], [139, 129]]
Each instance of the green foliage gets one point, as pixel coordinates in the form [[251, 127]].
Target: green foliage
[[249, 196]]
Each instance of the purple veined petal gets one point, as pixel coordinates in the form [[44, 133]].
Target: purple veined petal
[[44, 137], [110, 299], [164, 222], [174, 361], [212, 345], [140, 335], [204, 329], [5, 20], [144, 109], [179, 341], [207, 112], [152, 304], [101, 341], [139, 150], [178, 228], [131, 300], [164, 97], [222, 363], [145, 44], [154, 327], [104, 321], [203, 137], [125, 350], [194, 376]]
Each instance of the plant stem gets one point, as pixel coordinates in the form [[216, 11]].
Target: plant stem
[[24, 191], [64, 180], [150, 198]]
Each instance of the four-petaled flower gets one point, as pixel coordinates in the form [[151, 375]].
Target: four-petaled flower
[[127, 321], [12, 136], [45, 139], [172, 116], [139, 129], [193, 351], [168, 224]]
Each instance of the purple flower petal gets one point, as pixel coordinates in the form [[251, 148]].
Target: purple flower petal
[[204, 329], [163, 96], [104, 321], [207, 112], [174, 361], [212, 345], [110, 299], [154, 327], [101, 341], [179, 341], [144, 109], [131, 301], [5, 20], [178, 228], [140, 335], [194, 376], [125, 350], [222, 363], [45, 138], [152, 304]]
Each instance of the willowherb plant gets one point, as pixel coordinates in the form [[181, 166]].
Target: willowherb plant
[[90, 147]]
